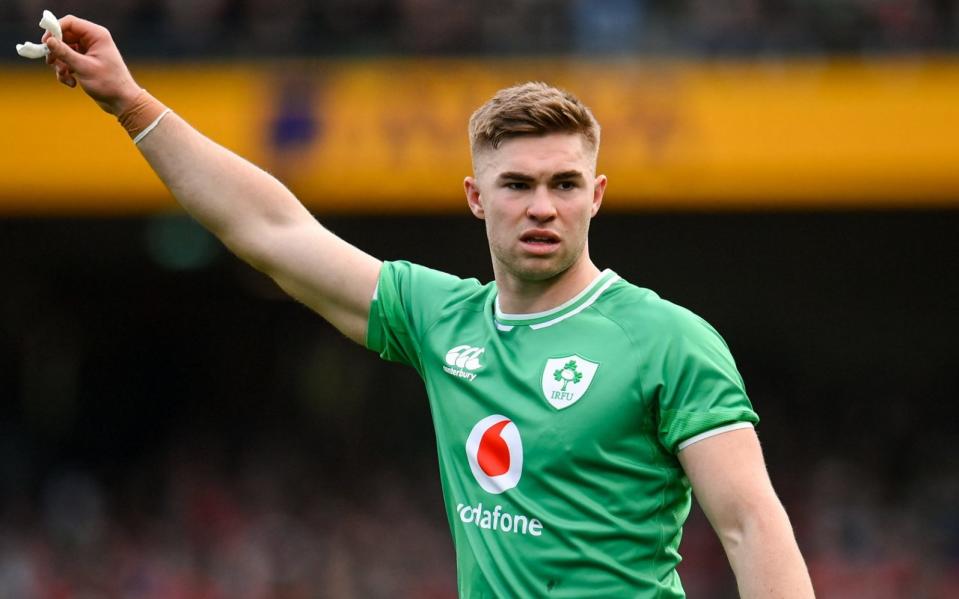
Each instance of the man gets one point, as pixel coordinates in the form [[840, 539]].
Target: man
[[572, 409]]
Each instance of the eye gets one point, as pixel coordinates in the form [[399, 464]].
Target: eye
[[566, 185], [516, 185]]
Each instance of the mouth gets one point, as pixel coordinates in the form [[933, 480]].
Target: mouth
[[539, 241]]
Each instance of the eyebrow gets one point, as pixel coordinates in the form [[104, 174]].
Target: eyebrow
[[562, 176], [515, 176], [572, 174]]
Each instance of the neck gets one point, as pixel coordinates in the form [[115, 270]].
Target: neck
[[522, 296]]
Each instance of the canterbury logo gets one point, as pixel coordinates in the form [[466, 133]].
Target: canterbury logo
[[464, 356], [463, 359]]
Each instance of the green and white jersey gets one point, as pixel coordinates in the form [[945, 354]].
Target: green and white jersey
[[557, 432]]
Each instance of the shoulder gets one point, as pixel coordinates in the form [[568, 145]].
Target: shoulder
[[426, 287], [644, 315]]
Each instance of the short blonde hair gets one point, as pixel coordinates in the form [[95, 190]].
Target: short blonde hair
[[532, 108]]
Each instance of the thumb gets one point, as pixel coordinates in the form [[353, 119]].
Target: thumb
[[64, 53]]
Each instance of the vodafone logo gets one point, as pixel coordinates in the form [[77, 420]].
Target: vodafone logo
[[495, 453]]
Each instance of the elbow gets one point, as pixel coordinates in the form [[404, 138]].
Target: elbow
[[251, 249], [732, 536], [764, 520]]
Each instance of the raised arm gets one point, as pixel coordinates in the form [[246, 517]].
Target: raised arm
[[729, 479], [258, 218]]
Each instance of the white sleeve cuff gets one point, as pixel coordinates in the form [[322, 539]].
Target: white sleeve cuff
[[712, 433]]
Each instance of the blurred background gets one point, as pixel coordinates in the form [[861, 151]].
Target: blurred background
[[172, 426]]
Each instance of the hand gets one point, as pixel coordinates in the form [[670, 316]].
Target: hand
[[88, 56]]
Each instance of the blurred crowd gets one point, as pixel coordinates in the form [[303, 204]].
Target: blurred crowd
[[190, 28], [193, 527], [272, 527]]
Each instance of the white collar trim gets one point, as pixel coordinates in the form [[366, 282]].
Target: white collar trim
[[500, 315]]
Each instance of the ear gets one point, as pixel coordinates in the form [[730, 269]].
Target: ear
[[473, 197], [599, 188]]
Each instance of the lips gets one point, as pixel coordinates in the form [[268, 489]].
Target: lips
[[539, 241], [542, 236]]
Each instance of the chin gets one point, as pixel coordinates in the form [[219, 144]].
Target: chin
[[539, 269]]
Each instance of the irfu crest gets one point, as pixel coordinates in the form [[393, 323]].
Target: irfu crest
[[565, 380], [568, 374]]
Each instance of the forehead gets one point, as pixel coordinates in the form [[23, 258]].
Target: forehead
[[537, 154]]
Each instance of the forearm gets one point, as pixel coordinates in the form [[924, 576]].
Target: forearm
[[248, 209], [228, 195], [231, 197], [765, 557]]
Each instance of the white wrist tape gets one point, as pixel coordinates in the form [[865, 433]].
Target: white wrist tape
[[150, 127], [32, 50]]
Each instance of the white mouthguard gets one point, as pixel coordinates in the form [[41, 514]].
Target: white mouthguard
[[32, 50]]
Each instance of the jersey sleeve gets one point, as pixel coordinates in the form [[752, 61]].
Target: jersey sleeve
[[696, 385], [408, 299]]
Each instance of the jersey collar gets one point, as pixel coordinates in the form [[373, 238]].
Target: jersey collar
[[540, 320]]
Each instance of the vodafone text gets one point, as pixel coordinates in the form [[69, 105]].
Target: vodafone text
[[499, 520]]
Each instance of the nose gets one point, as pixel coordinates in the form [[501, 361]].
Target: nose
[[541, 208]]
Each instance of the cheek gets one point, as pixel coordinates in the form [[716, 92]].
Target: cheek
[[496, 218], [493, 230], [579, 222], [579, 215]]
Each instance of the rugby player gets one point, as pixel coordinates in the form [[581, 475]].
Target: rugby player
[[574, 412]]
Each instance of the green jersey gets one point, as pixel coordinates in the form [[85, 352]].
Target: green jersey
[[557, 432]]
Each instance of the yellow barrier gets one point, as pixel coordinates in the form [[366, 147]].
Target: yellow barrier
[[390, 135]]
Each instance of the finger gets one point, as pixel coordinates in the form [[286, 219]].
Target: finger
[[62, 52], [56, 64], [81, 31], [65, 75], [68, 81]]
